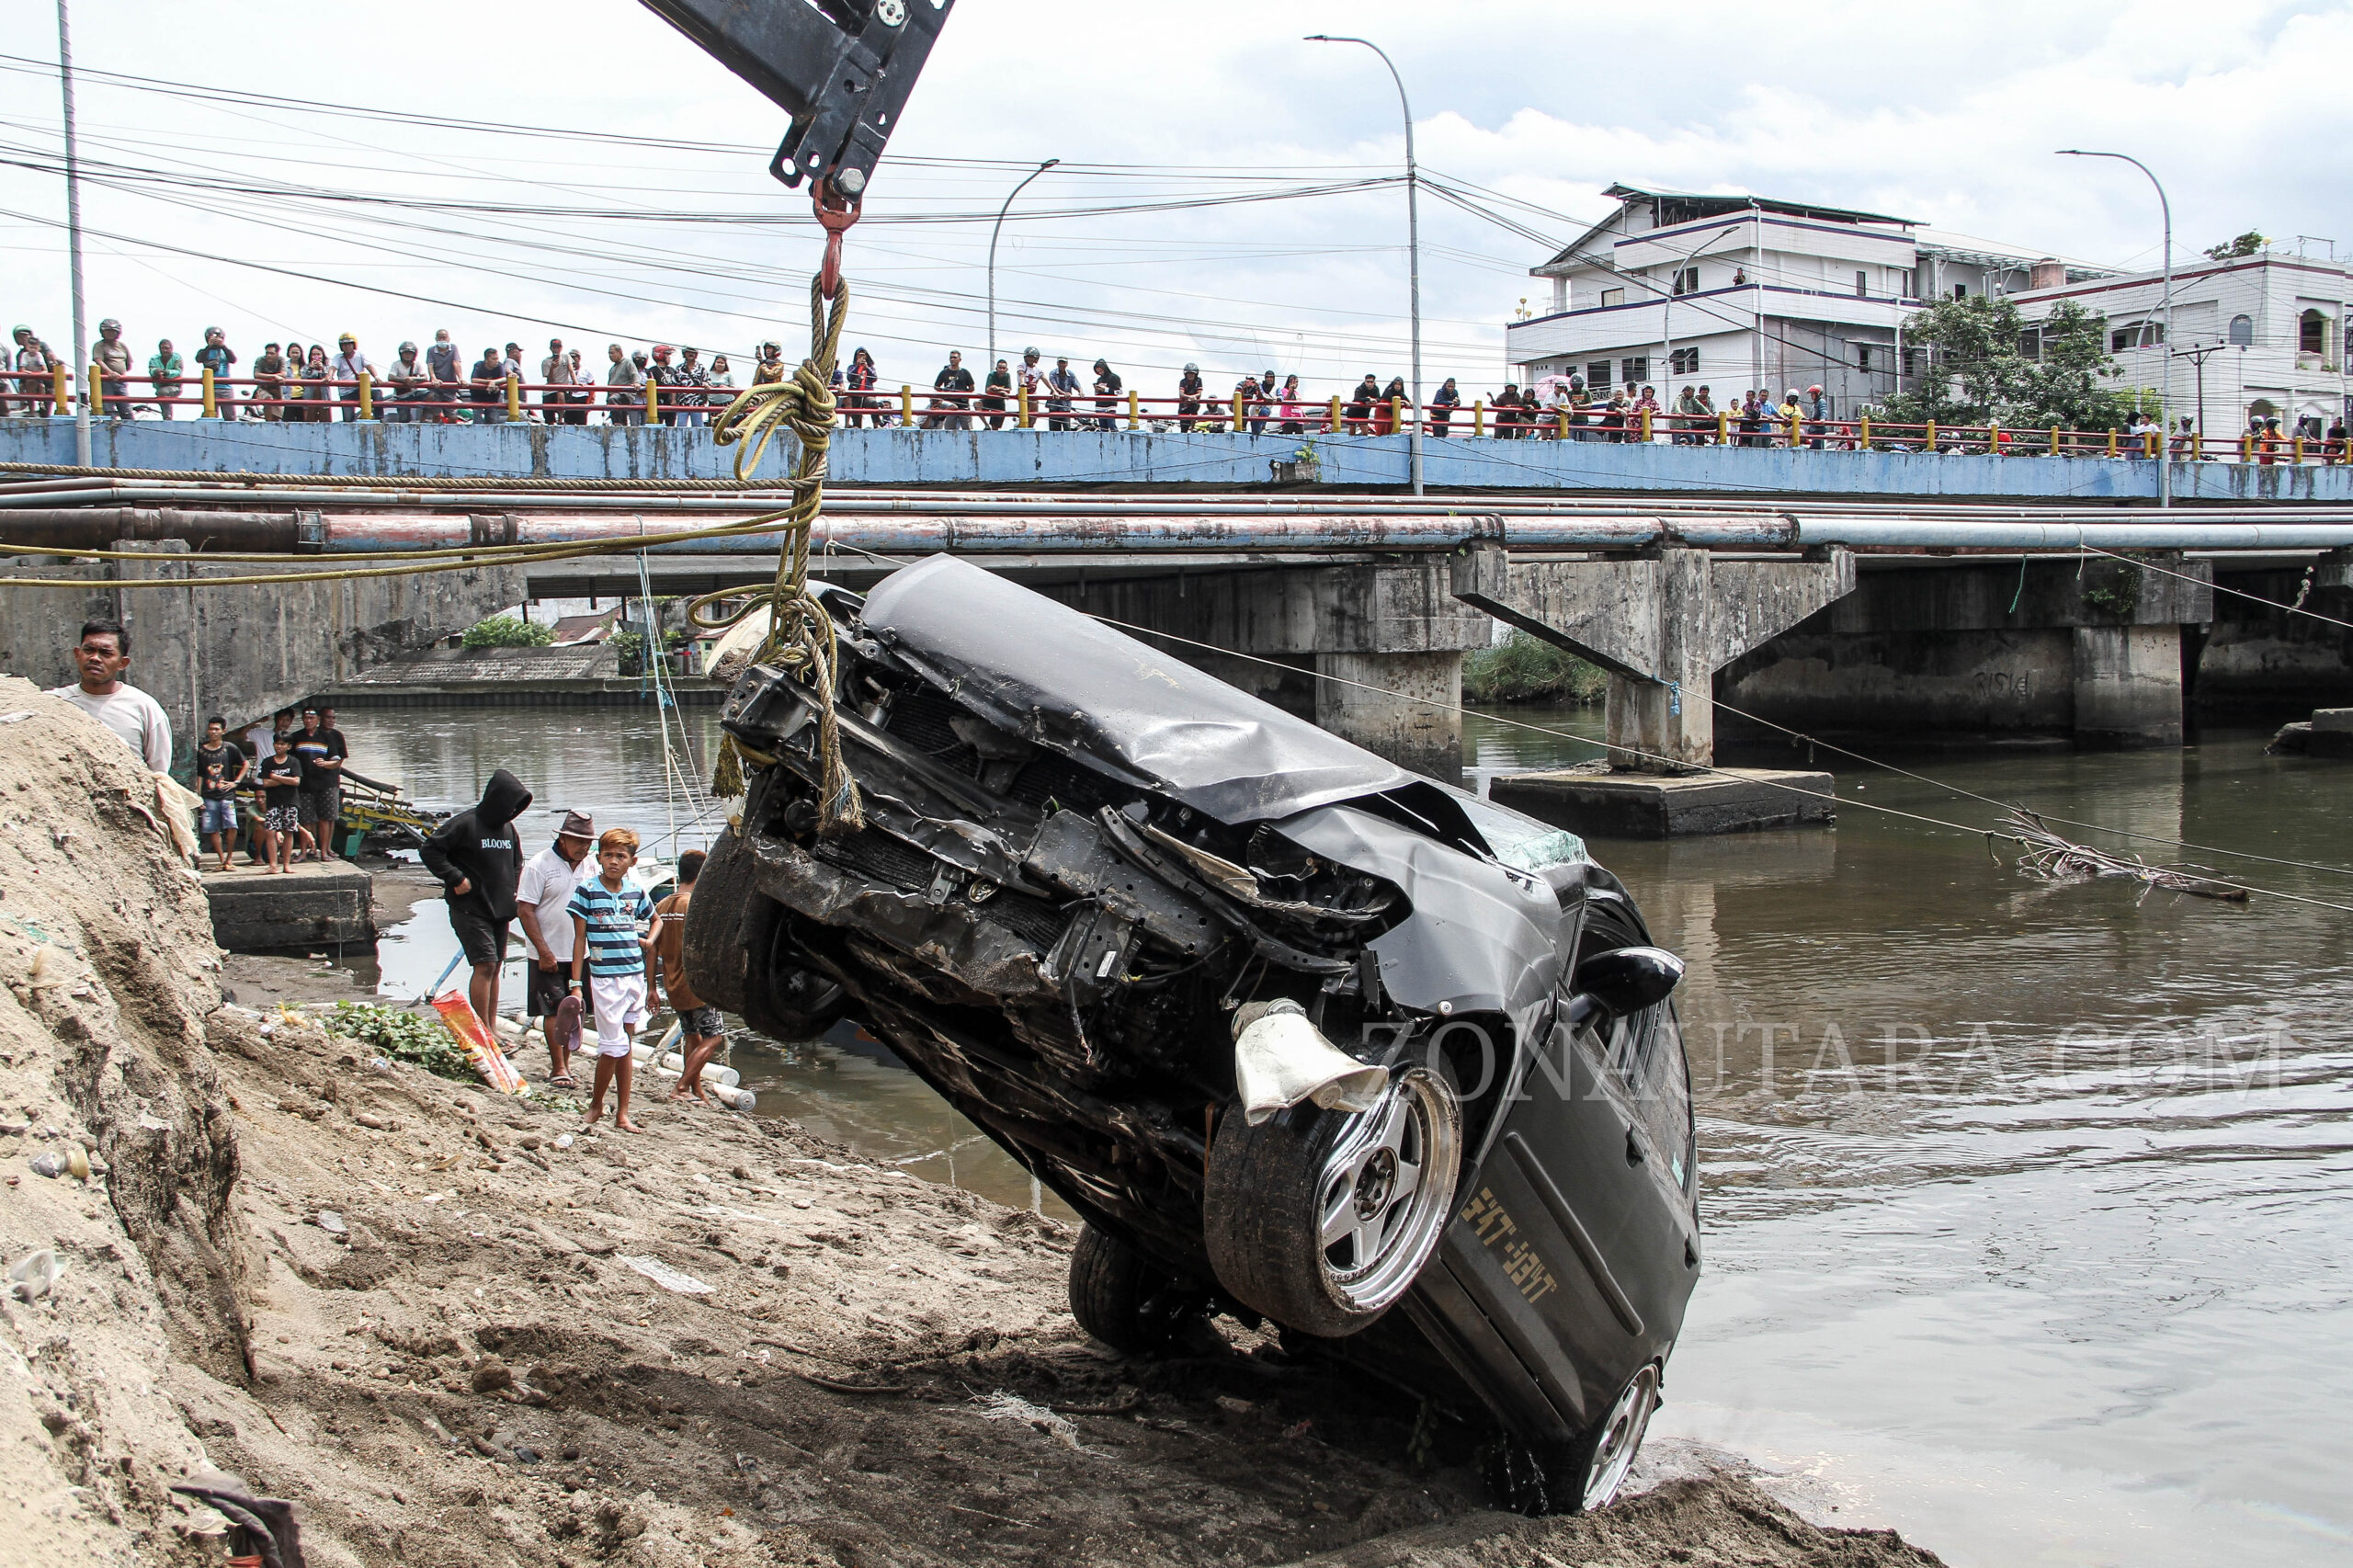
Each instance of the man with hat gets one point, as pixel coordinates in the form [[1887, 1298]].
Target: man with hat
[[110, 357], [346, 369], [547, 883], [1061, 381]]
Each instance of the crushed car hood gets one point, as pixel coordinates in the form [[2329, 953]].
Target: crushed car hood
[[1067, 682]]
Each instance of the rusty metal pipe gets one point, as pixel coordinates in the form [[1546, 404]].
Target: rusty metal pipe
[[69, 529]]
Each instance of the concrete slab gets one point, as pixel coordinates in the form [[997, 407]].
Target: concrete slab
[[319, 905], [2333, 720], [1594, 803]]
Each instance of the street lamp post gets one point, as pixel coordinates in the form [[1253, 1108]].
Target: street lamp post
[[1413, 242], [1667, 308], [2165, 464], [1001, 212], [73, 245]]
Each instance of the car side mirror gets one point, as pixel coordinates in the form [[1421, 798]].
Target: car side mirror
[[1624, 981]]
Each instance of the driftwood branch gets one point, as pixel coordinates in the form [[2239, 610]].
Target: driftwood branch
[[2056, 859]]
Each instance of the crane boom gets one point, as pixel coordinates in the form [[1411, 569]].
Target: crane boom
[[842, 69]]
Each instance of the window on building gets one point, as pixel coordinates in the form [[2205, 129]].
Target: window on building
[[1907, 283], [2030, 344], [2312, 333], [1684, 362], [1634, 372], [2243, 330], [1862, 283], [1688, 281], [1612, 297], [1863, 356], [1910, 362], [1596, 376], [1961, 290]]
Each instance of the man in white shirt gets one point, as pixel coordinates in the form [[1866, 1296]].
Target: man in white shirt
[[101, 656], [348, 366], [543, 895]]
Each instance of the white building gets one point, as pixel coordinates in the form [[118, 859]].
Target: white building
[[2258, 336], [1732, 292]]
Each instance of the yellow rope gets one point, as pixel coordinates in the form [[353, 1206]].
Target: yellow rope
[[800, 634]]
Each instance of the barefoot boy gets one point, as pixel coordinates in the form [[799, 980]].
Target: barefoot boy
[[609, 942], [700, 1032], [281, 783]]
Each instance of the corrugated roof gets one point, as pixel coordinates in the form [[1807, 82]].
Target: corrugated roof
[[1724, 202]]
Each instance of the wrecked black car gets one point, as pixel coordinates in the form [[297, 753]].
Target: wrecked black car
[[1304, 1038]]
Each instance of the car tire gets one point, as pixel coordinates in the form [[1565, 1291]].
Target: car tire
[[1304, 1215], [1583, 1476], [1120, 1298]]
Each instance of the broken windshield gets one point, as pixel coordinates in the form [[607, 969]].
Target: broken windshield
[[1520, 841]]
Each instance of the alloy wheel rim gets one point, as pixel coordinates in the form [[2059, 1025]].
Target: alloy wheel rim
[[1385, 1190], [1622, 1437]]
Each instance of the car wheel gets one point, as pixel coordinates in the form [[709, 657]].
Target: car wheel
[[1322, 1218], [1117, 1295], [1588, 1474]]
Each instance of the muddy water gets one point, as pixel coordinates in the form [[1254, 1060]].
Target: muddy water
[[2027, 1207]]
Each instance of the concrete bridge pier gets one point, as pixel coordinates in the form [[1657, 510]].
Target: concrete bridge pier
[[1390, 636], [1661, 626]]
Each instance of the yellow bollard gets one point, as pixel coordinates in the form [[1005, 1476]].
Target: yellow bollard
[[2197, 445], [1646, 427], [1561, 425], [1132, 425], [1797, 434], [1931, 442], [1022, 397], [514, 397], [1724, 429], [1238, 414], [1993, 440], [367, 396], [1334, 426], [2111, 443], [1866, 432], [2246, 449], [906, 405], [1478, 417], [211, 399], [2300, 449], [2054, 440], [61, 381]]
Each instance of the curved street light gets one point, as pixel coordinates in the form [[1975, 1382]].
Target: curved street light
[[2165, 440], [1412, 240], [1001, 212]]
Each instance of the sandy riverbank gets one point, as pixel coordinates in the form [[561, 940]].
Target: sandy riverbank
[[394, 1299]]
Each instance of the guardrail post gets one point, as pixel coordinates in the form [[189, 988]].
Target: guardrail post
[[906, 405], [1993, 440], [1646, 428], [1238, 414], [1334, 426], [1478, 417], [211, 409], [367, 396], [1931, 441], [2300, 449], [1021, 396], [61, 380], [1132, 425], [2111, 443], [1866, 432], [2054, 440], [1797, 438], [1723, 427], [2246, 448]]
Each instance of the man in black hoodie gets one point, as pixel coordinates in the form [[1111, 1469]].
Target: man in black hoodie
[[479, 857]]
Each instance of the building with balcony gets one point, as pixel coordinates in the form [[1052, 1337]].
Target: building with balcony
[[2261, 336], [1731, 292]]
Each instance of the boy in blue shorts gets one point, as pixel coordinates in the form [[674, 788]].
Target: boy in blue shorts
[[612, 927]]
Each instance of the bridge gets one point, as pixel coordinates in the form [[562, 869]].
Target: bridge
[[2099, 622]]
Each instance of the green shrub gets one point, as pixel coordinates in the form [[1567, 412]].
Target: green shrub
[[508, 632], [1529, 669], [629, 648], [403, 1036]]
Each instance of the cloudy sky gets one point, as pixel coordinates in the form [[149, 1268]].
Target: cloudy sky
[[1272, 226]]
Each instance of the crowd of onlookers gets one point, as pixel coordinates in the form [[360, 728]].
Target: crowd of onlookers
[[295, 383]]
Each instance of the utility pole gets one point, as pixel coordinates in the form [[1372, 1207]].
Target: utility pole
[[73, 244], [1666, 311], [1001, 212], [2164, 466], [2196, 358], [1412, 242]]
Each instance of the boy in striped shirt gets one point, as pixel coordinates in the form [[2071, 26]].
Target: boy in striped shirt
[[613, 926]]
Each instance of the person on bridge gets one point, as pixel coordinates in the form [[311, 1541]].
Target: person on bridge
[[624, 402], [769, 370], [1108, 388], [407, 377], [951, 403], [33, 362], [478, 857], [443, 363], [1294, 408], [346, 369], [110, 357], [858, 385], [268, 365], [1359, 411], [1443, 403], [1061, 381], [100, 657], [164, 371], [995, 392], [217, 357]]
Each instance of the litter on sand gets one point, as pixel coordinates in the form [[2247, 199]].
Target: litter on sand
[[1003, 1406], [35, 1274], [670, 1279]]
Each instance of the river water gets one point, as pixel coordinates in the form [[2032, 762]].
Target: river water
[[2028, 1208]]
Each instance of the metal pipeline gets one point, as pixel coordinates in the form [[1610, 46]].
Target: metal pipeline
[[2011, 534], [68, 529]]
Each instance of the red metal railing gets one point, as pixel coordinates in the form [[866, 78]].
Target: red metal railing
[[295, 397]]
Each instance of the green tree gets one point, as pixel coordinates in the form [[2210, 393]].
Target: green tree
[[1990, 364], [507, 631], [2247, 243]]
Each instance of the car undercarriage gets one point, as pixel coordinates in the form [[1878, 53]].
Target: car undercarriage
[[1303, 1037]]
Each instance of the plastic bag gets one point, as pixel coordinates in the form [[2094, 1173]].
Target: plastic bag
[[459, 1016]]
